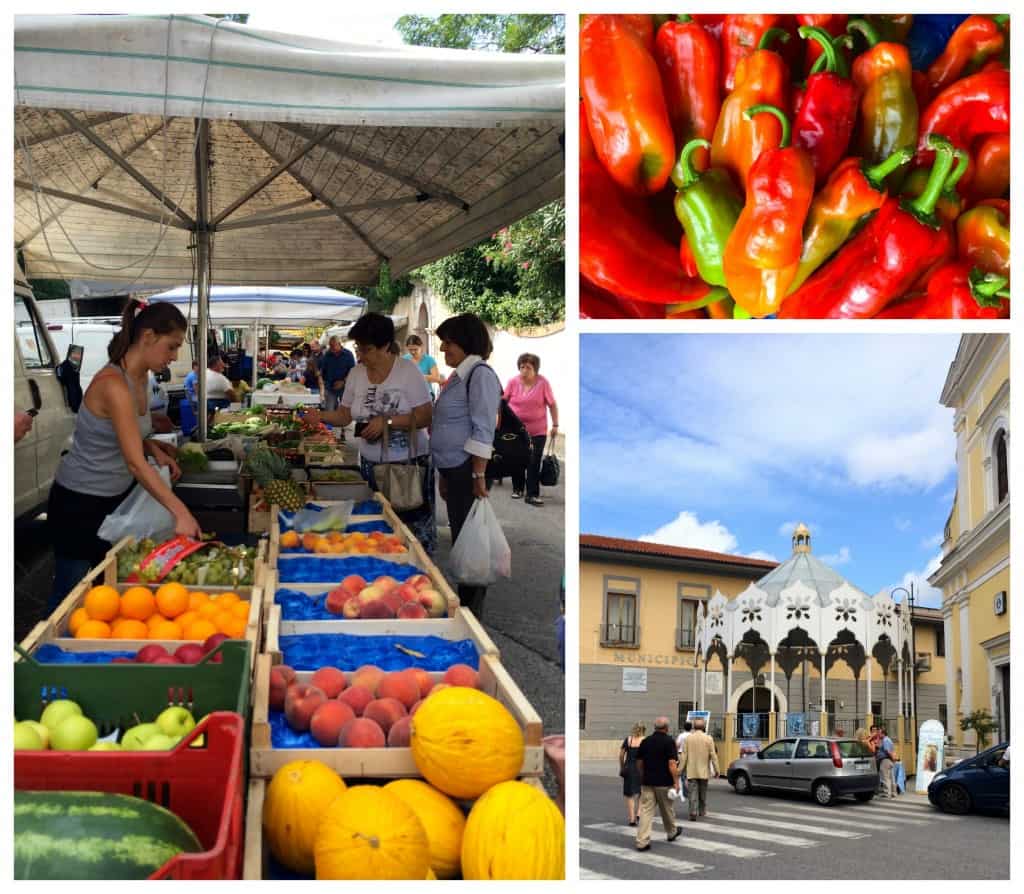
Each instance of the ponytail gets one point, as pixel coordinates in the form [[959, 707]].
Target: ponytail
[[160, 317]]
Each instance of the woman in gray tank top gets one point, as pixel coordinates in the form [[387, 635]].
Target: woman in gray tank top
[[111, 445]]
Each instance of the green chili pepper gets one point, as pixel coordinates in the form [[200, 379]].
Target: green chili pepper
[[707, 206]]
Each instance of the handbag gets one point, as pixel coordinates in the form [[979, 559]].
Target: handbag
[[550, 467], [400, 482]]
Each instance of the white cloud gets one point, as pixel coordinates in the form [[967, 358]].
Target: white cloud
[[920, 457], [924, 593], [842, 557], [903, 524], [687, 530], [932, 542], [761, 554]]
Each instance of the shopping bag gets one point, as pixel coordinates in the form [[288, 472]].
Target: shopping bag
[[481, 553], [550, 467], [140, 515]]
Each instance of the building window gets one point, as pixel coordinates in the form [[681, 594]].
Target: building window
[[620, 613], [943, 715], [684, 709], [688, 597], [1002, 471], [876, 710], [940, 642], [583, 713]]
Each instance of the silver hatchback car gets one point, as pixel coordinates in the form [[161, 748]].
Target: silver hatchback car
[[822, 767]]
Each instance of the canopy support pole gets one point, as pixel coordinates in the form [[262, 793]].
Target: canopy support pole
[[254, 341], [202, 264]]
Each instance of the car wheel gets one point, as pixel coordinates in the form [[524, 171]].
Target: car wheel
[[954, 799], [823, 793], [864, 797], [741, 783]]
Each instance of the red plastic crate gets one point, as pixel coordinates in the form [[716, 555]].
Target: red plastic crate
[[204, 786]]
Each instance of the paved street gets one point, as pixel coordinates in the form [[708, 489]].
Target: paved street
[[769, 836]]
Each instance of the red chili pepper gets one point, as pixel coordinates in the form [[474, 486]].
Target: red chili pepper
[[956, 291], [983, 237], [828, 110], [976, 39], [834, 25], [689, 60], [642, 26], [625, 105], [711, 23], [992, 168], [597, 304], [686, 258], [884, 260], [763, 251], [974, 107], [742, 36]]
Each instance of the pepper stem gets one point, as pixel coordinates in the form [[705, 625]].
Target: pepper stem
[[924, 205], [988, 288], [766, 39], [778, 113], [876, 175], [962, 161], [1000, 19], [864, 28], [828, 52], [684, 19], [683, 172]]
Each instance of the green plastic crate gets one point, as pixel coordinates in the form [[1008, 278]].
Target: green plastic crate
[[112, 695]]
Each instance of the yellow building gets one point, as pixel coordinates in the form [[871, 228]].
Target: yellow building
[[640, 605], [975, 572]]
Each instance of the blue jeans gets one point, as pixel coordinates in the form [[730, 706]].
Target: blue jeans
[[67, 575]]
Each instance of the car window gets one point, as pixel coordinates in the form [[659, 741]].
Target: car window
[[779, 750], [993, 759], [853, 748], [35, 350]]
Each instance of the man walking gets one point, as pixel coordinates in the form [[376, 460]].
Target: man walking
[[885, 763], [680, 745], [337, 363], [658, 763], [698, 763]]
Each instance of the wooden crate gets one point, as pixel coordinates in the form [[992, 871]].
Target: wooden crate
[[256, 856], [461, 625], [386, 515], [385, 763]]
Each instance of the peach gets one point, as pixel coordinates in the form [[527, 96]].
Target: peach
[[353, 584], [378, 610], [357, 698], [423, 680], [331, 680], [336, 599], [369, 675], [361, 733], [386, 582], [412, 611], [300, 703], [328, 720], [408, 592], [385, 712], [415, 708], [281, 677], [462, 675], [398, 735], [352, 608], [401, 685], [370, 594], [435, 603], [393, 601]]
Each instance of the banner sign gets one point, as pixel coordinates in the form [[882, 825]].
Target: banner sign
[[749, 747], [931, 745], [700, 715]]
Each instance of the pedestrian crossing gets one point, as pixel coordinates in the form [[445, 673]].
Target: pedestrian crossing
[[754, 828]]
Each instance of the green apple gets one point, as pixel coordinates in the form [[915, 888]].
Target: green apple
[[57, 711], [75, 733], [42, 729], [159, 742], [106, 746], [26, 738], [175, 721], [135, 738]]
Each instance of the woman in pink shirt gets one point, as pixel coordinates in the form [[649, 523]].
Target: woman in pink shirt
[[530, 397]]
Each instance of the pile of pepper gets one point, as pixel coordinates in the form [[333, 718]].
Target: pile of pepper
[[798, 166]]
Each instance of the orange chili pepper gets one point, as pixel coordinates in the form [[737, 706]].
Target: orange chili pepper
[[976, 39], [992, 168]]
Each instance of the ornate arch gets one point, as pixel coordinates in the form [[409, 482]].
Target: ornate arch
[[779, 695]]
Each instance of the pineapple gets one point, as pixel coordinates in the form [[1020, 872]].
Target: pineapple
[[272, 473]]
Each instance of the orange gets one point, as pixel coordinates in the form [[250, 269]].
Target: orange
[[164, 629], [222, 619], [78, 617], [290, 539], [172, 599], [129, 628], [184, 620], [226, 600], [209, 610], [196, 599], [241, 609], [92, 629], [137, 603], [234, 628], [309, 541], [200, 629], [103, 603], [154, 619]]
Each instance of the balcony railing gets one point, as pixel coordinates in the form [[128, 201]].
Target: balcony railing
[[620, 635]]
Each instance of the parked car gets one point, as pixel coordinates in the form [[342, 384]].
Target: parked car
[[823, 767], [975, 783]]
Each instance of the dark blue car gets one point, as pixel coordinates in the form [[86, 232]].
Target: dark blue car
[[981, 782]]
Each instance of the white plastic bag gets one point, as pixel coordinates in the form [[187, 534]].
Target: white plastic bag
[[481, 553], [139, 515]]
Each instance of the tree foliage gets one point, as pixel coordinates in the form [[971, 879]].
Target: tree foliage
[[383, 297], [983, 724], [518, 33]]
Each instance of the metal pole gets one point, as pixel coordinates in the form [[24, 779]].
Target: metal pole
[[913, 666], [202, 264], [823, 708], [695, 680], [868, 662], [255, 353]]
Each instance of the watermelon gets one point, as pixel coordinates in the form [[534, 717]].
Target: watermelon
[[94, 835]]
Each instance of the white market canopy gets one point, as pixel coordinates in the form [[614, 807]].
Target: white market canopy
[[324, 159], [286, 307]]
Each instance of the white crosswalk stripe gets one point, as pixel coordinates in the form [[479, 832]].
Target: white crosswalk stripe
[[837, 816], [645, 858], [886, 809], [688, 841], [796, 827], [590, 875], [762, 837]]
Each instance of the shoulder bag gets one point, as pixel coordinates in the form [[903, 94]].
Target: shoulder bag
[[400, 482], [550, 467]]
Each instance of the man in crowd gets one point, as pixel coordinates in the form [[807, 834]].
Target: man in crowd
[[680, 745], [219, 391], [698, 763], [190, 382], [658, 763], [886, 763], [334, 369]]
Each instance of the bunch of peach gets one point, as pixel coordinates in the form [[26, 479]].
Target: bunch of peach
[[337, 543], [369, 708], [385, 598], [173, 612]]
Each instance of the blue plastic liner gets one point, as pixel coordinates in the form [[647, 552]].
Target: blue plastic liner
[[367, 507], [367, 527], [51, 654], [319, 569], [312, 651]]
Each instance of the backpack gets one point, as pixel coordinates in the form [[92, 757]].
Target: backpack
[[512, 444]]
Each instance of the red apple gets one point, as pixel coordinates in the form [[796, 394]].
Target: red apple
[[352, 608], [353, 584], [166, 659], [189, 653], [150, 653], [335, 601], [212, 641]]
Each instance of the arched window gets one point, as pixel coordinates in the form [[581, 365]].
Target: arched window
[[1002, 470]]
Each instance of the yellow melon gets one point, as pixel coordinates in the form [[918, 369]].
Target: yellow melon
[[369, 833], [463, 742], [514, 832], [297, 798], [442, 820]]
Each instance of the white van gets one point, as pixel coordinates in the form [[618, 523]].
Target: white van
[[37, 455], [92, 333]]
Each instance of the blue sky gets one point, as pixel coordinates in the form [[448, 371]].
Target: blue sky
[[724, 442]]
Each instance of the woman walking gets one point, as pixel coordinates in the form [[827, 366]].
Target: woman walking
[[630, 772], [530, 397], [427, 364]]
